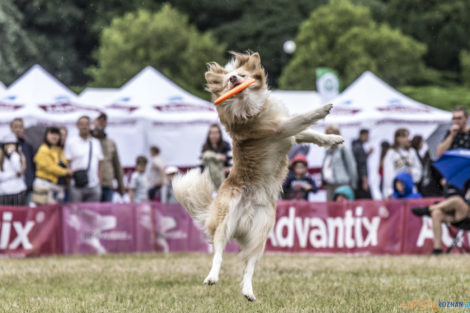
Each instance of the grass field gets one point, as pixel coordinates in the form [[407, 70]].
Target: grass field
[[282, 283]]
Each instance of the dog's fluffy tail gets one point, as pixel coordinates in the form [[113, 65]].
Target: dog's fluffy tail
[[194, 192]]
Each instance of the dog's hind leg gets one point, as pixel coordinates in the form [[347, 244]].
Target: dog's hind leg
[[220, 241], [253, 247], [311, 136]]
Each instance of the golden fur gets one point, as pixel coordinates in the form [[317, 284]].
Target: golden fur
[[262, 134]]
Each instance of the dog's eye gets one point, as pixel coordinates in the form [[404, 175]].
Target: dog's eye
[[242, 75]]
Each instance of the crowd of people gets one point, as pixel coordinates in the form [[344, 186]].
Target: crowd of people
[[82, 168], [86, 167]]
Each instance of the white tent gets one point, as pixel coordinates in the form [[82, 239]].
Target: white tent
[[2, 88], [370, 103], [38, 97], [97, 96], [298, 101], [170, 117]]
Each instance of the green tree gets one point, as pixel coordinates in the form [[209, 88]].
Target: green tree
[[17, 51], [164, 40], [465, 65], [262, 25], [67, 31], [343, 36], [442, 25]]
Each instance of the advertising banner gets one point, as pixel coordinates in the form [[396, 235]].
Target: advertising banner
[[107, 228], [26, 231]]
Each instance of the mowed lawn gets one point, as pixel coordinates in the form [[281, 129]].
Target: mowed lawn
[[282, 283]]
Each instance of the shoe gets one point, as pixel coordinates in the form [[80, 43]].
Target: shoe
[[436, 251], [424, 211]]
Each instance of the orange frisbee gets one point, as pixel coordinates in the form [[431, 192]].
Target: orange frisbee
[[234, 91]]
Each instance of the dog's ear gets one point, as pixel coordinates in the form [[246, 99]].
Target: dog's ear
[[254, 62], [215, 78]]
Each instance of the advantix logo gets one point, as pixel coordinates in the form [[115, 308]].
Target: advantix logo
[[331, 232], [22, 231]]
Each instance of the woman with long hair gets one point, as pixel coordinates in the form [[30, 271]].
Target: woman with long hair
[[12, 168], [400, 158], [216, 155], [51, 165]]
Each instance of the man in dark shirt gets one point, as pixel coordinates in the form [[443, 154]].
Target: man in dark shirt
[[458, 136], [17, 128], [360, 155]]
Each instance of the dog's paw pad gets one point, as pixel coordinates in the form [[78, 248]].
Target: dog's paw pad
[[250, 297]]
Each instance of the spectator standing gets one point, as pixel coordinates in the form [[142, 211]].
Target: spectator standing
[[384, 146], [216, 155], [400, 158], [168, 195], [12, 167], [156, 174], [360, 155], [111, 164], [85, 157], [339, 167], [26, 149], [298, 184], [458, 136], [51, 165], [64, 182], [429, 185], [138, 187]]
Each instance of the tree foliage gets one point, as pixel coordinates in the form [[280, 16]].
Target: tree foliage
[[18, 51], [442, 25], [344, 37], [261, 26], [465, 65], [164, 40]]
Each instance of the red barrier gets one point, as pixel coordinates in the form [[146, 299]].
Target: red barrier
[[30, 231], [364, 227], [359, 227]]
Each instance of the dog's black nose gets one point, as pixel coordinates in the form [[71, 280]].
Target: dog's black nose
[[233, 79]]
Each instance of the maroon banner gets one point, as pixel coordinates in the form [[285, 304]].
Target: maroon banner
[[359, 227], [176, 231], [26, 231], [107, 228], [418, 234]]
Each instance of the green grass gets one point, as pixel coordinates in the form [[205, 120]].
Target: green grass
[[282, 283]]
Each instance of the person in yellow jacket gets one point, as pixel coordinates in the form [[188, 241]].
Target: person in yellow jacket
[[50, 166]]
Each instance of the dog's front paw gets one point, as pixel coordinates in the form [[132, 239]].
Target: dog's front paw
[[334, 140], [325, 110], [211, 280]]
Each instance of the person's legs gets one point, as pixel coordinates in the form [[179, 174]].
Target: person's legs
[[76, 194], [93, 194], [107, 194], [450, 210]]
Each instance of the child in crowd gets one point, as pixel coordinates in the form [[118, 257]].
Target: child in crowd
[[403, 187], [167, 189], [298, 184], [138, 186], [343, 194]]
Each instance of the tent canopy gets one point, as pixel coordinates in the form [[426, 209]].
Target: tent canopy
[[369, 98], [2, 88], [298, 101], [97, 96], [39, 95], [156, 98]]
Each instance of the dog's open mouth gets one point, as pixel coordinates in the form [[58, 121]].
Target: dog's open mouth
[[235, 84]]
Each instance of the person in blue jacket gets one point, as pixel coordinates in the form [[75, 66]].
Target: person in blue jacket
[[403, 187]]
